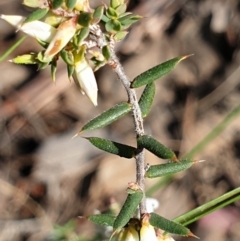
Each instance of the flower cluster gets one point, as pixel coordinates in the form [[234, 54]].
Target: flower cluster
[[137, 230], [63, 28]]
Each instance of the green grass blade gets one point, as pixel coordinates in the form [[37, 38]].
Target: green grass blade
[[209, 207], [12, 48]]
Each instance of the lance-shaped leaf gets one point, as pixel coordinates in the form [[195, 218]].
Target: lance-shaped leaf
[[102, 219], [57, 3], [156, 147], [85, 19], [25, 59], [53, 69], [107, 117], [113, 26], [169, 226], [128, 20], [98, 13], [146, 99], [71, 4], [36, 15], [156, 72], [168, 168], [113, 147], [129, 207]]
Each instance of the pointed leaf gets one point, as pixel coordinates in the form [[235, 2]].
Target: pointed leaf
[[25, 59], [108, 117], [113, 26], [36, 15], [156, 147], [102, 219], [85, 19], [168, 168], [71, 4], [67, 57], [121, 9], [120, 35], [115, 3], [156, 72], [98, 14], [146, 99], [113, 147], [84, 32], [111, 13], [168, 226], [57, 3], [106, 52], [129, 207], [128, 20], [70, 70], [53, 69]]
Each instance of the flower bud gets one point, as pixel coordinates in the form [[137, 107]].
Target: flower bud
[[129, 233], [84, 78], [82, 5], [64, 33], [147, 231], [36, 29]]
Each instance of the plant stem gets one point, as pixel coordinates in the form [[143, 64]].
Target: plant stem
[[98, 37], [138, 122]]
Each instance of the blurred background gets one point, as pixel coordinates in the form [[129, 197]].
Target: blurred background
[[49, 179]]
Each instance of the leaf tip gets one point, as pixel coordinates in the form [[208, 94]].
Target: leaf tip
[[190, 234], [75, 135]]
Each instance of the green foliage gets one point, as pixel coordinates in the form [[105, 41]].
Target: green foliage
[[113, 147], [168, 226], [129, 207], [156, 147], [169, 168], [146, 99], [156, 72], [107, 117], [36, 15], [102, 219]]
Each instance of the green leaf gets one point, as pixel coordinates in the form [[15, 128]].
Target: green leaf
[[146, 99], [57, 3], [121, 9], [25, 59], [83, 33], [156, 72], [34, 3], [111, 13], [71, 4], [85, 19], [70, 70], [203, 210], [156, 147], [113, 147], [113, 26], [53, 69], [36, 15], [106, 52], [129, 207], [168, 168], [67, 57], [168, 226], [115, 3], [128, 20], [102, 219], [120, 35], [98, 14], [107, 117]]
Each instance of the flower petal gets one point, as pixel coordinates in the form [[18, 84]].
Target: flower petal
[[35, 29]]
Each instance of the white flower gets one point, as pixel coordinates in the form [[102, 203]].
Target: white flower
[[35, 29], [85, 79], [64, 34], [147, 231]]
